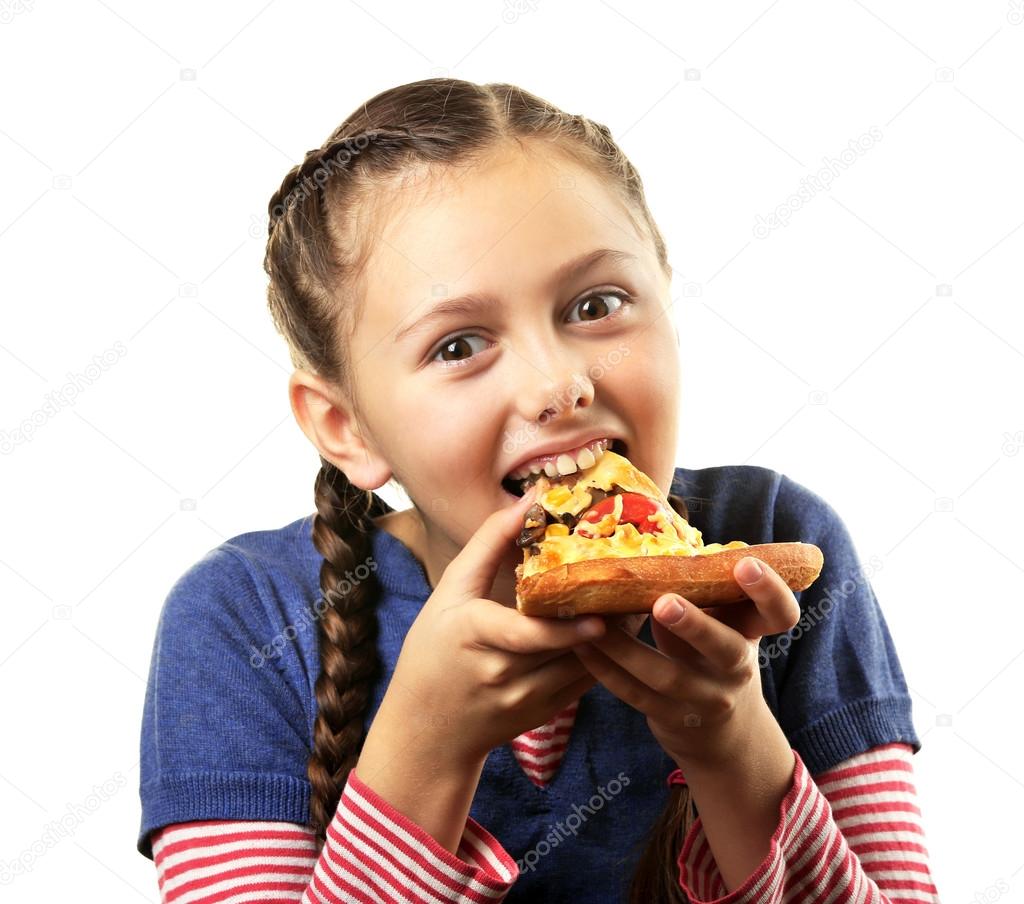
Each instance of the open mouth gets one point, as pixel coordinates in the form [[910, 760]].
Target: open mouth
[[517, 488]]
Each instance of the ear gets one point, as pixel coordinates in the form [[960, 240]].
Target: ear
[[328, 421]]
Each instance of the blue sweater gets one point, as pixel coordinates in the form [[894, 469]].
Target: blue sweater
[[229, 708]]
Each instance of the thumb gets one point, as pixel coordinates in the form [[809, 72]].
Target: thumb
[[473, 570]]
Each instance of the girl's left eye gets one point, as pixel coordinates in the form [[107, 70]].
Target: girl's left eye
[[624, 298]]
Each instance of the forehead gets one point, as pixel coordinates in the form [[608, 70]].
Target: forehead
[[509, 221]]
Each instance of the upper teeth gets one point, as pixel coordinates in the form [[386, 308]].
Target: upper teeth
[[565, 463]]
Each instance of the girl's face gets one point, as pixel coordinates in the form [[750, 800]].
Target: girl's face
[[455, 399]]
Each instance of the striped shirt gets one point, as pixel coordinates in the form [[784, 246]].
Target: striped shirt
[[852, 834], [539, 750]]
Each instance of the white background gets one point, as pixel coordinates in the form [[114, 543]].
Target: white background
[[871, 349]]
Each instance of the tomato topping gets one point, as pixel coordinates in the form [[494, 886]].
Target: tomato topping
[[635, 510]]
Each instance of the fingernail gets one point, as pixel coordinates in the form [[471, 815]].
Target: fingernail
[[589, 628], [750, 570], [671, 610]]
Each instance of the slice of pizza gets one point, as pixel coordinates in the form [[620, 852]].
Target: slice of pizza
[[606, 540]]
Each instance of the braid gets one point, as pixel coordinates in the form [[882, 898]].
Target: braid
[[336, 152], [347, 631]]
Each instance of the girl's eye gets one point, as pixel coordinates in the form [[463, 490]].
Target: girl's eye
[[621, 297], [594, 302]]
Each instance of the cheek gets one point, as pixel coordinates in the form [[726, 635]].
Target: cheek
[[646, 387], [646, 382], [442, 443]]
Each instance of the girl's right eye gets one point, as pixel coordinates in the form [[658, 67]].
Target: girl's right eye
[[447, 344]]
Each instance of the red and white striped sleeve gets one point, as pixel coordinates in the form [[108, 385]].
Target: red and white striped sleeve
[[373, 853], [851, 835]]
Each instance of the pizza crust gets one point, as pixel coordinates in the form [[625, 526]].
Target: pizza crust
[[634, 583]]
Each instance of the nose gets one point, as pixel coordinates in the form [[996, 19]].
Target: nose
[[546, 400]]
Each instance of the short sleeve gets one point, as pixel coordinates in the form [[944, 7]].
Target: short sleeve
[[224, 730], [839, 686]]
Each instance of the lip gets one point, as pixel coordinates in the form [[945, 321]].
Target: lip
[[556, 447]]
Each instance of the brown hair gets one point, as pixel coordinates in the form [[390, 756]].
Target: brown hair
[[314, 260]]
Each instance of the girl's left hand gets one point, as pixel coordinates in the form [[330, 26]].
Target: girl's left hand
[[701, 686]]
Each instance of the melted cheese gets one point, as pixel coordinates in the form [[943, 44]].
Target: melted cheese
[[560, 547]]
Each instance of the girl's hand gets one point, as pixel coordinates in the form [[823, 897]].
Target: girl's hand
[[701, 687], [474, 673]]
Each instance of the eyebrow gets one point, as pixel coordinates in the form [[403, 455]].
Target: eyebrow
[[472, 303]]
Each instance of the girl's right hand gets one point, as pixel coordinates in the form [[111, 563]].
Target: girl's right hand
[[474, 673]]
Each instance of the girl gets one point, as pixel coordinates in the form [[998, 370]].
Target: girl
[[469, 278]]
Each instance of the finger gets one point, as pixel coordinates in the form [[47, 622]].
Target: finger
[[621, 668], [504, 628], [564, 671], [676, 618], [774, 600], [615, 677], [555, 686], [663, 668], [743, 617], [471, 573], [572, 692]]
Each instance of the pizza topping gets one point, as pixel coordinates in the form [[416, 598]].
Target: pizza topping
[[647, 515], [534, 523], [537, 518], [610, 510]]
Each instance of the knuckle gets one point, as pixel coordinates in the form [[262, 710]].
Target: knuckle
[[721, 705], [515, 696], [742, 666], [515, 642], [667, 683], [494, 671]]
